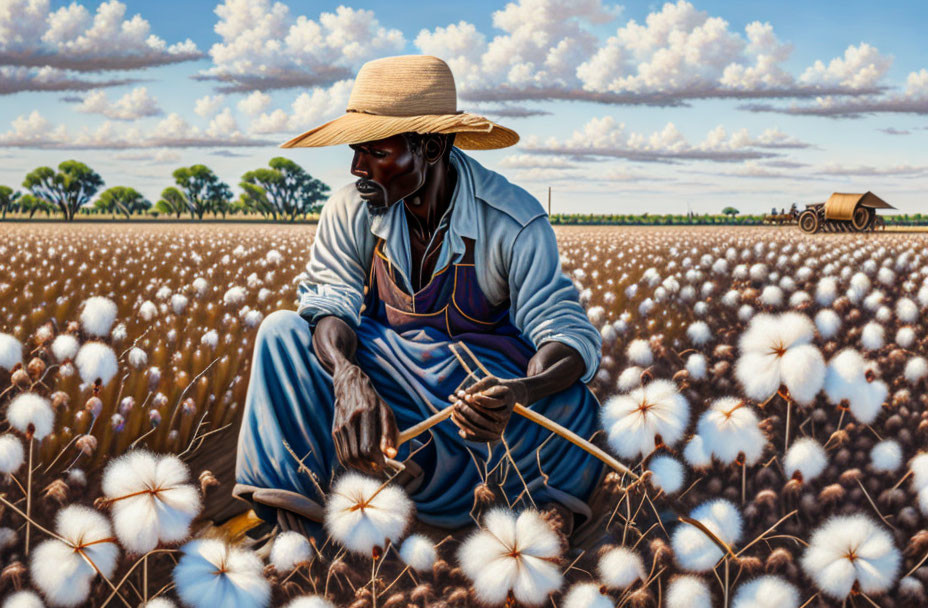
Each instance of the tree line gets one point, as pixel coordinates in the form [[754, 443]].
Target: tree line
[[281, 191]]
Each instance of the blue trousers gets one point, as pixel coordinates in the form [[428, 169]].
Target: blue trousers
[[290, 398]]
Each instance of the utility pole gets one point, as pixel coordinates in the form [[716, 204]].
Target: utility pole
[[549, 201]]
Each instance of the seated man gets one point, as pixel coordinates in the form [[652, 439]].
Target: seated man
[[427, 249]]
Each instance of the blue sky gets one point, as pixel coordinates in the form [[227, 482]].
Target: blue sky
[[630, 107]]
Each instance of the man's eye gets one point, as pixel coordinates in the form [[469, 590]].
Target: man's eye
[[378, 154]]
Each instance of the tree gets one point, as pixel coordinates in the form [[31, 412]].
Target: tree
[[204, 191], [122, 199], [70, 188], [287, 188], [172, 201], [31, 203], [8, 200], [730, 211]]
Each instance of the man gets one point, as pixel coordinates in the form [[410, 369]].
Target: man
[[426, 250]]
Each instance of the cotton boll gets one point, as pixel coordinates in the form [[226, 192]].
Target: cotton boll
[[873, 336], [178, 303], [200, 285], [586, 595], [310, 601], [696, 454], [65, 347], [137, 357], [916, 369], [96, 360], [874, 300], [745, 313], [828, 323], [633, 421], [646, 306], [639, 352], [289, 550], [620, 568], [700, 309], [361, 515], [699, 333], [12, 454], [23, 599], [766, 592], [629, 378], [211, 573], [148, 310], [688, 591], [772, 296], [596, 315], [234, 296], [886, 456], [696, 366], [740, 272], [798, 299], [210, 338], [732, 298], [667, 473], [160, 602], [905, 337], [419, 553], [693, 549], [802, 371], [253, 318], [758, 273], [883, 314], [11, 351], [97, 316], [805, 457], [31, 414], [827, 291], [729, 428]]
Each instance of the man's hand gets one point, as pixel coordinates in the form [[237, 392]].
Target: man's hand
[[363, 428], [483, 409]]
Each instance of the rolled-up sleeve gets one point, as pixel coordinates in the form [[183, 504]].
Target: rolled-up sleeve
[[544, 303], [333, 282]]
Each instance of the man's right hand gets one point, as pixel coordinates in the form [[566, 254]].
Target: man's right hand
[[364, 428]]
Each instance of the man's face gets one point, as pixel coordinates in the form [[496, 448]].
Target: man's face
[[389, 171]]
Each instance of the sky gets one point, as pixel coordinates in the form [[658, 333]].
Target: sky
[[621, 108]]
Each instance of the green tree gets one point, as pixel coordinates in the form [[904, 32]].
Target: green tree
[[71, 187], [204, 191], [254, 199], [8, 200], [730, 211], [288, 189], [172, 202], [31, 204], [122, 199]]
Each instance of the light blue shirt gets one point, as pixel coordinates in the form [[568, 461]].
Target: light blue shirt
[[515, 256]]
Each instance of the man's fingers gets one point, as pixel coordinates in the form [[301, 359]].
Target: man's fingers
[[389, 434], [351, 432], [488, 403], [495, 391], [366, 435], [476, 419], [481, 385]]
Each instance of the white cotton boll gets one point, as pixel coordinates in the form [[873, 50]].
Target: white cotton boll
[[745, 313], [384, 517], [200, 285], [730, 428], [826, 292], [696, 454], [907, 310], [273, 257], [696, 366], [596, 315], [886, 456], [163, 293], [883, 314], [699, 333], [65, 347], [687, 591], [289, 550], [210, 338], [148, 310], [804, 273], [687, 293], [137, 357], [923, 296], [732, 298], [758, 273], [234, 296], [419, 553], [96, 360], [211, 573], [11, 351], [253, 318], [629, 378], [12, 454], [700, 309], [31, 411], [179, 303], [620, 568], [693, 549], [264, 294], [919, 467], [872, 337], [905, 337], [916, 369], [667, 473], [630, 292], [97, 316], [806, 457], [798, 299], [160, 602], [874, 300], [740, 272], [771, 296], [802, 371], [586, 595], [633, 421], [720, 266], [8, 538], [860, 283], [639, 352], [252, 281], [23, 599], [310, 601], [828, 323], [766, 592], [646, 306], [512, 555], [850, 549]]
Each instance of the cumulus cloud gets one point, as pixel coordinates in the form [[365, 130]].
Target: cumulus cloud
[[208, 105], [31, 35], [607, 138], [308, 110], [35, 131], [17, 79], [255, 103], [533, 161], [901, 170], [135, 104], [265, 47]]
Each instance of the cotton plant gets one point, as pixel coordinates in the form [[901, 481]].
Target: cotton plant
[[212, 573], [32, 415], [850, 380], [586, 595], [620, 568], [696, 551], [766, 592], [638, 422]]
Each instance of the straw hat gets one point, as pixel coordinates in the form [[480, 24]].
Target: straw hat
[[407, 93]]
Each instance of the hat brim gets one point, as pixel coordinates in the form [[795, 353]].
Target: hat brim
[[472, 132]]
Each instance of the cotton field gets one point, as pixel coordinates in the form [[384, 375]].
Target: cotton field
[[766, 389]]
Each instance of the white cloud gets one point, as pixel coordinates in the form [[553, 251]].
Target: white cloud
[[158, 157], [900, 170], [533, 161], [255, 103], [71, 38], [308, 110], [861, 67], [606, 138], [16, 79], [34, 131], [131, 106], [264, 47], [208, 105]]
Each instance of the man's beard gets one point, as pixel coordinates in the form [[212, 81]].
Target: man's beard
[[377, 210]]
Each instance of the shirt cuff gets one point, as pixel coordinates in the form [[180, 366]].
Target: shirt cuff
[[313, 307]]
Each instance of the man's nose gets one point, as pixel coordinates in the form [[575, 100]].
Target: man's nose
[[359, 167]]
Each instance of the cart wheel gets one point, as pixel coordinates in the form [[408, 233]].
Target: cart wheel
[[808, 222], [861, 218]]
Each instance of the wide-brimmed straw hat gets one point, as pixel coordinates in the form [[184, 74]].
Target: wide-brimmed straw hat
[[406, 93]]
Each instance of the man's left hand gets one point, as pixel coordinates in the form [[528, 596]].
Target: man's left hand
[[482, 410]]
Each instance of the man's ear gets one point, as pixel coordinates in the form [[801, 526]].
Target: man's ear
[[433, 148]]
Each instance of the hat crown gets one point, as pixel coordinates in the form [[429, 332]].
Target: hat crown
[[407, 85]]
